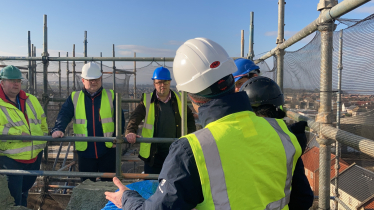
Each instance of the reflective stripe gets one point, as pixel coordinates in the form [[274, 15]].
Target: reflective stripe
[[80, 121], [5, 131], [22, 149], [110, 97], [107, 120], [10, 121], [147, 126], [80, 135], [108, 134], [75, 100], [45, 134], [35, 121], [290, 153], [215, 170], [147, 108], [43, 115]]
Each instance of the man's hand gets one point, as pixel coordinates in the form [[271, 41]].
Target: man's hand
[[57, 134], [131, 137], [116, 197]]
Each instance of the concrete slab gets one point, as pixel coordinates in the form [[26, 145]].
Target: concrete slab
[[6, 200]]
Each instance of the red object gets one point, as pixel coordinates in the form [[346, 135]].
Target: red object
[[215, 64], [93, 119]]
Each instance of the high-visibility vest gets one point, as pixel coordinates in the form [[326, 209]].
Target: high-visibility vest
[[13, 122], [80, 119], [245, 162], [149, 121]]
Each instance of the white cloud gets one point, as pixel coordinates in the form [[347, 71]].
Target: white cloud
[[174, 42], [128, 50], [275, 33], [369, 9]]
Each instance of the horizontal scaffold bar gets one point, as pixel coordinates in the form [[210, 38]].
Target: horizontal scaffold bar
[[77, 174], [159, 59], [88, 139], [326, 16], [357, 142]]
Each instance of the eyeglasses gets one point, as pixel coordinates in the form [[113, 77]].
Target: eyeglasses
[[93, 80], [165, 82], [14, 81]]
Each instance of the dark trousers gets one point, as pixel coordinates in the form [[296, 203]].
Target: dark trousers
[[19, 186], [105, 163], [151, 169]]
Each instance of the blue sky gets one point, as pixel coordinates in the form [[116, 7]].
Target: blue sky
[[150, 28]]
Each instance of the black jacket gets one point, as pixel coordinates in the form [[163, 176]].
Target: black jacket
[[94, 127], [182, 189], [139, 114]]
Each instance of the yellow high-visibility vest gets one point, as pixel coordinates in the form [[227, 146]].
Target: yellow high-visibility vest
[[13, 122], [80, 120], [149, 121], [245, 162]]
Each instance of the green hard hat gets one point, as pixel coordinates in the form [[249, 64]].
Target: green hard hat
[[10, 72]]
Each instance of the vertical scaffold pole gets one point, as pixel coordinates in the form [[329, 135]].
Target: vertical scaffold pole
[[118, 134], [280, 39], [338, 110], [251, 53], [30, 82], [242, 44], [324, 115], [134, 104], [59, 75], [34, 69], [74, 88], [114, 70], [85, 45], [67, 74]]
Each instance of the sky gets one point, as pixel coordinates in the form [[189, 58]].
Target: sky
[[151, 28]]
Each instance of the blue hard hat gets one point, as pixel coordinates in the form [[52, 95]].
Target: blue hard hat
[[245, 66], [161, 73]]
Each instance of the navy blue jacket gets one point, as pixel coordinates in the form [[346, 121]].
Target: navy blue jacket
[[182, 188], [94, 127]]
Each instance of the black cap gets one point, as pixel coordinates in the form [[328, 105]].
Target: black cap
[[263, 90], [219, 88]]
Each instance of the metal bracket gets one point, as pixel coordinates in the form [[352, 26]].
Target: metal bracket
[[326, 4], [118, 141]]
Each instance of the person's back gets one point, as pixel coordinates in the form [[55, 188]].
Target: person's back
[[238, 161], [256, 170], [267, 101]]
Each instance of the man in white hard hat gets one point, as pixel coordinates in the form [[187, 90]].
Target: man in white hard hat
[[93, 111], [238, 161]]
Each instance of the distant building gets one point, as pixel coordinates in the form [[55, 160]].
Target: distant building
[[350, 108], [359, 110], [311, 164], [356, 188]]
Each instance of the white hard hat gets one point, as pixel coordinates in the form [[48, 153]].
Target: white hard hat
[[199, 63], [91, 71]]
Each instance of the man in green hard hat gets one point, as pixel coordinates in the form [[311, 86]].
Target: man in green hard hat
[[21, 114]]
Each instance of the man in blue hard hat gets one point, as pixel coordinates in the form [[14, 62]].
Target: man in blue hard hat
[[161, 110], [246, 70]]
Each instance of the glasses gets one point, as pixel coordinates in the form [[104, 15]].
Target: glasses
[[93, 80], [165, 82], [16, 81]]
